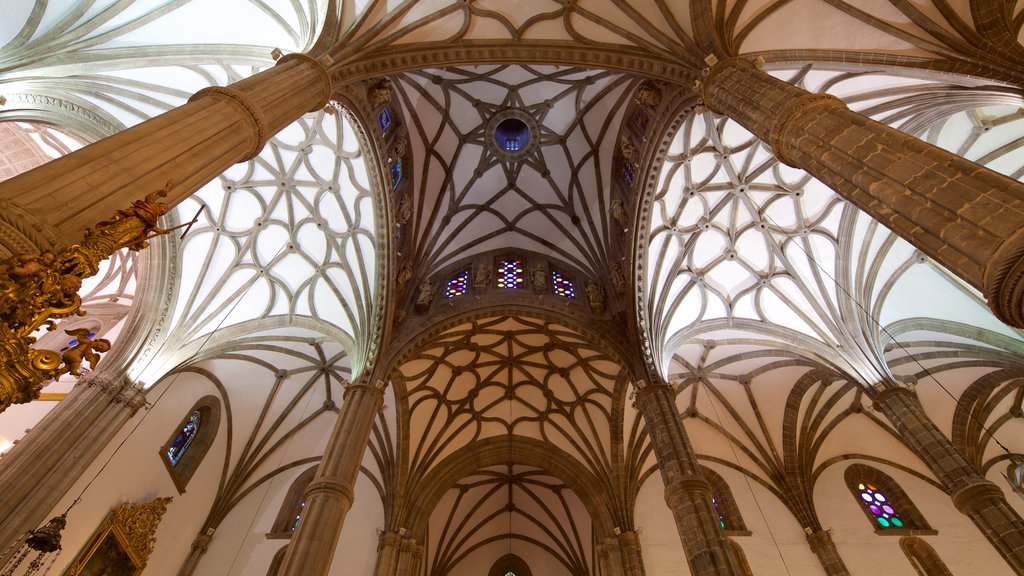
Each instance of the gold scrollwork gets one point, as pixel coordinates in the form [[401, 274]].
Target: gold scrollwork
[[37, 289]]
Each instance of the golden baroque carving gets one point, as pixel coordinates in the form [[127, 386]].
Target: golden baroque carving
[[36, 289], [124, 541]]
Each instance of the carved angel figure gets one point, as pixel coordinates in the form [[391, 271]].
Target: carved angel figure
[[481, 277], [28, 266], [425, 296], [595, 296], [86, 349], [539, 279], [147, 212], [619, 213]]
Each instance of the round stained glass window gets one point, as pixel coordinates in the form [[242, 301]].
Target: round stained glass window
[[512, 134]]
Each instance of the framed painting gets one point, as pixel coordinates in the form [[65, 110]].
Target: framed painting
[[123, 542]]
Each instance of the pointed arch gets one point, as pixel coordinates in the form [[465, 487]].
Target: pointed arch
[[291, 507], [884, 503], [724, 504], [923, 557], [191, 440]]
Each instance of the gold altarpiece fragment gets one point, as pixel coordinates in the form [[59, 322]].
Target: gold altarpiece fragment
[[122, 544], [37, 289]]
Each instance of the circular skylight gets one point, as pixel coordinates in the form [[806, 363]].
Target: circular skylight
[[511, 134]]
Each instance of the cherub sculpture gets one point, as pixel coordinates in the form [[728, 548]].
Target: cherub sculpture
[[86, 349], [28, 266]]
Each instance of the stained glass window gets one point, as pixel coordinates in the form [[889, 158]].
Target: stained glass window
[[561, 285], [184, 439], [879, 506], [74, 342], [295, 523], [511, 273], [396, 173], [384, 119], [628, 173], [715, 501], [457, 285]]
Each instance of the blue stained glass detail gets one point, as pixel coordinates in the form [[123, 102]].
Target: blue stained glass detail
[[184, 439], [458, 285], [628, 173], [396, 174], [511, 274], [561, 285], [384, 119]]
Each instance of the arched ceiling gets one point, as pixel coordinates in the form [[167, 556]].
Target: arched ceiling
[[756, 281], [470, 199]]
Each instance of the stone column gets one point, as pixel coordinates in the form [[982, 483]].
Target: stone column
[[609, 558], [191, 145], [963, 215], [687, 493], [974, 496], [199, 547], [629, 550], [330, 494], [40, 469], [389, 546], [825, 549], [409, 557]]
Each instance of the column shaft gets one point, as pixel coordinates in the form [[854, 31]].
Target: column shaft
[[687, 493], [629, 550], [825, 549], [199, 547], [963, 215], [44, 465], [330, 494], [977, 498], [190, 145]]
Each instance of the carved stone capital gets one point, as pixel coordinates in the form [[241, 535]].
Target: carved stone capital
[[320, 65], [133, 398], [105, 382], [202, 542], [331, 488], [890, 394], [1004, 281], [248, 109], [976, 495], [686, 486]]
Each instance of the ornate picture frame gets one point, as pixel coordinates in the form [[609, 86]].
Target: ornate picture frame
[[122, 544]]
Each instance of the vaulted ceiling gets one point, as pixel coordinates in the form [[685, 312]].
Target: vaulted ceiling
[[749, 281]]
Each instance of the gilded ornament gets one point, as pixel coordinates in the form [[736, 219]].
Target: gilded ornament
[[38, 289]]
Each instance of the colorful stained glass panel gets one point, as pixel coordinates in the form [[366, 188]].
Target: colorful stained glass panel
[[561, 285], [184, 439], [396, 173], [384, 119], [879, 507], [457, 285], [511, 274]]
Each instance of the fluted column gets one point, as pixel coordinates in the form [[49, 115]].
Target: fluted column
[[974, 496], [330, 494], [963, 215], [40, 469], [199, 547], [825, 549], [191, 145], [687, 493], [609, 558], [389, 546], [629, 550]]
